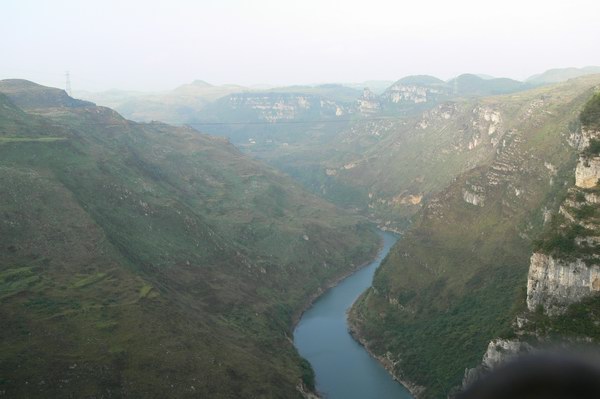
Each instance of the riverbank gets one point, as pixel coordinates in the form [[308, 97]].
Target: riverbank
[[332, 283], [305, 391], [342, 366], [414, 389]]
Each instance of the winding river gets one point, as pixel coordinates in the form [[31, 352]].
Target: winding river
[[343, 368]]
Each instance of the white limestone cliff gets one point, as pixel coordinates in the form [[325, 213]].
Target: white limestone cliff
[[554, 284]]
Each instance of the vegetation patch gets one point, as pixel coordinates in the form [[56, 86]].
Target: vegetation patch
[[5, 140], [580, 320], [89, 280], [593, 150], [590, 116], [145, 290], [16, 280], [107, 325]]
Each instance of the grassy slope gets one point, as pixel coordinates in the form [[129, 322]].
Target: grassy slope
[[456, 279], [150, 261]]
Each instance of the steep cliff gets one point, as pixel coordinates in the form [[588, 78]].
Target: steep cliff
[[563, 281], [457, 279], [554, 284], [565, 269]]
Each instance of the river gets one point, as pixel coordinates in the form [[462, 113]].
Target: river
[[343, 368]]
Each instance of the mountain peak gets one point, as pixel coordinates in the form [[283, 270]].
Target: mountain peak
[[201, 83]]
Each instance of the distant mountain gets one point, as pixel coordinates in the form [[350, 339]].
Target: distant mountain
[[420, 80], [377, 86], [485, 76], [470, 85], [178, 105], [201, 89], [202, 104], [329, 91], [562, 74], [145, 260], [420, 92], [413, 94]]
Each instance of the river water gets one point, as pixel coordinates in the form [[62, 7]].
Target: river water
[[343, 368]]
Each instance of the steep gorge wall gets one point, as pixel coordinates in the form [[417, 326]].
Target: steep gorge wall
[[554, 284], [557, 279], [564, 271]]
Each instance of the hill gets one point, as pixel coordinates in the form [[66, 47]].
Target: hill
[[176, 106], [469, 85], [27, 94], [562, 74], [144, 260]]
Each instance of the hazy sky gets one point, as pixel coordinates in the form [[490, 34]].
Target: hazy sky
[[153, 45]]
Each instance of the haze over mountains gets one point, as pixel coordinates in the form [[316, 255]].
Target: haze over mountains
[[342, 142], [141, 258], [183, 104]]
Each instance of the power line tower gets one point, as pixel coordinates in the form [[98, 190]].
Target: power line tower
[[68, 84]]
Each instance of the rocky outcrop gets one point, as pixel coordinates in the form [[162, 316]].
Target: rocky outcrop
[[581, 138], [368, 103], [498, 352], [554, 284], [587, 173], [274, 107], [474, 196], [400, 93], [306, 392]]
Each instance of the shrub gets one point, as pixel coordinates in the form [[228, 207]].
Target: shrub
[[590, 116], [593, 149]]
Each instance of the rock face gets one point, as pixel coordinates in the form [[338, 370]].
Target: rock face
[[501, 350], [555, 284], [368, 103], [498, 352], [274, 107], [588, 172], [399, 93], [581, 139], [554, 281], [474, 198]]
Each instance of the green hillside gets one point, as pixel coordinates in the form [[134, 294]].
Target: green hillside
[[458, 277], [143, 260]]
